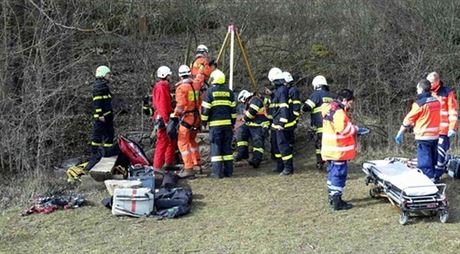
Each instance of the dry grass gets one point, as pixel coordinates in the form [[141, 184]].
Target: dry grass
[[253, 212]]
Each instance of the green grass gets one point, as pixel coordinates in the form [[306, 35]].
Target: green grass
[[256, 211]]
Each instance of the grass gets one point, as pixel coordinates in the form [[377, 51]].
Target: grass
[[256, 211]]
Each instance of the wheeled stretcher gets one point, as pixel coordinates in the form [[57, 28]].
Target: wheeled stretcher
[[406, 187]]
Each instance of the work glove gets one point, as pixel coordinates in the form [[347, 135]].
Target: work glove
[[399, 138], [172, 128], [362, 131], [451, 133]]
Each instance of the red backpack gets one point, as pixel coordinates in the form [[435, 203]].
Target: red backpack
[[132, 151]]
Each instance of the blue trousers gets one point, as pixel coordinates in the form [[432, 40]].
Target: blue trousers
[[257, 136], [282, 144], [221, 150], [427, 156], [443, 147], [337, 172]]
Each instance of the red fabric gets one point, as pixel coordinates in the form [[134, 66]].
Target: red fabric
[[186, 101], [165, 150], [132, 151], [201, 66], [161, 100]]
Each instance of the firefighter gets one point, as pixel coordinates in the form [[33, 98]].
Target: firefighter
[[103, 131], [283, 122], [187, 109], [294, 96], [165, 149], [425, 118], [219, 112], [448, 123], [200, 68], [313, 105], [338, 146], [255, 124]]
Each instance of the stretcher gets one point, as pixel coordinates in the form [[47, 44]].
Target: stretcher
[[406, 187]]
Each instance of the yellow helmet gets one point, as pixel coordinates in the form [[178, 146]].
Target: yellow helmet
[[217, 77]]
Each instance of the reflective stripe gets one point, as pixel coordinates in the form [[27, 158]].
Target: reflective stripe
[[217, 158], [310, 103], [220, 122], [227, 157], [248, 114], [318, 151], [286, 158], [273, 105], [107, 113], [283, 120], [255, 107], [334, 136], [205, 104], [96, 116], [220, 94], [221, 103], [101, 97], [108, 145], [204, 118], [296, 113], [96, 144], [319, 130], [424, 130], [193, 95], [278, 155], [316, 110], [283, 105], [100, 110], [444, 124], [453, 118], [258, 149], [296, 102], [444, 113], [242, 143], [290, 124], [263, 124], [338, 148], [233, 116], [185, 153], [427, 137]]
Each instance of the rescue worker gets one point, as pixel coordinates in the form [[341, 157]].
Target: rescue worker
[[187, 109], [200, 68], [294, 96], [313, 105], [425, 118], [338, 145], [283, 122], [219, 112], [165, 149], [103, 131], [255, 124], [448, 122]]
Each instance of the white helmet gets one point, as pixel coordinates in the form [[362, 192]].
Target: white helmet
[[201, 49], [432, 77], [163, 72], [184, 70], [287, 77], [275, 74], [319, 81], [244, 95]]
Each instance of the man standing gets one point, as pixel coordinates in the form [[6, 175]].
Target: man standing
[[313, 105], [103, 131], [283, 122], [338, 146], [165, 149], [200, 67], [448, 123], [187, 108], [424, 117], [219, 111], [255, 124]]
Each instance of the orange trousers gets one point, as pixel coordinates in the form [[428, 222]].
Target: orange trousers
[[188, 147]]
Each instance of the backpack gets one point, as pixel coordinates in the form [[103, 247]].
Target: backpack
[[173, 203], [132, 151]]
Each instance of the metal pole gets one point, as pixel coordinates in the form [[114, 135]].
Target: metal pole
[[246, 61], [231, 29], [222, 49]]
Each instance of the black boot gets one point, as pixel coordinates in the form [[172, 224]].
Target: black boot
[[338, 204], [286, 172], [254, 164]]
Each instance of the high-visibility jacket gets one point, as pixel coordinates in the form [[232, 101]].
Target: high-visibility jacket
[[255, 114], [200, 66], [188, 101], [279, 111], [424, 117], [449, 114], [161, 100], [219, 107], [338, 142], [102, 100], [314, 106], [294, 101]]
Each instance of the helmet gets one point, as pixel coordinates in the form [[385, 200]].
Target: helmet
[[163, 72], [244, 95], [184, 70], [287, 77], [101, 71], [319, 81], [201, 49], [274, 74], [217, 77], [432, 77]]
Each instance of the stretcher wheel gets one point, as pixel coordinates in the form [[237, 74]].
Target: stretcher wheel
[[372, 193], [403, 218], [443, 216]]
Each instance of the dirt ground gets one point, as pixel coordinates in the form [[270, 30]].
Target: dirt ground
[[256, 211]]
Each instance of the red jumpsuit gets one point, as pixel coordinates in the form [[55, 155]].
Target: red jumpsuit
[[187, 108], [165, 149]]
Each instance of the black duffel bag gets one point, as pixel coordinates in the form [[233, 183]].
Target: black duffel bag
[[172, 203]]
